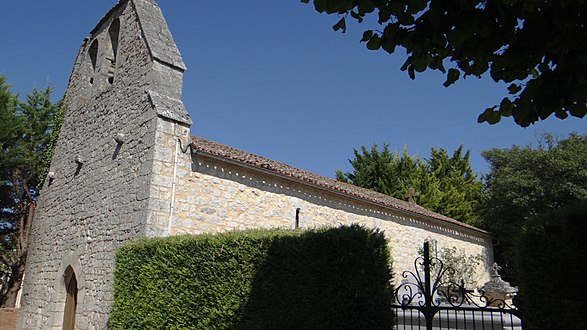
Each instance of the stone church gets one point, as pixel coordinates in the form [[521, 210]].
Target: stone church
[[126, 167]]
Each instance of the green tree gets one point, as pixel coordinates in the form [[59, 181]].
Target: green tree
[[526, 182], [550, 254], [445, 184], [25, 136], [457, 264], [459, 190], [536, 47], [383, 171]]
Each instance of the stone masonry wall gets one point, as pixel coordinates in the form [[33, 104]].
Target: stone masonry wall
[[88, 210], [168, 159], [215, 196]]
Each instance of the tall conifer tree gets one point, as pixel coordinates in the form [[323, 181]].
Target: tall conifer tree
[[25, 132], [442, 183]]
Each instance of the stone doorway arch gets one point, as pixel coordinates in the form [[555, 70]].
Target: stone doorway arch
[[71, 299]]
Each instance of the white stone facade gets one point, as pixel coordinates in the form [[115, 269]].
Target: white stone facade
[[218, 196]]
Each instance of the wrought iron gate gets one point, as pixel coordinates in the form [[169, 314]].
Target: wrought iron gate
[[425, 301]]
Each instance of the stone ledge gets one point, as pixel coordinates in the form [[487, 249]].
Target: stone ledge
[[170, 108]]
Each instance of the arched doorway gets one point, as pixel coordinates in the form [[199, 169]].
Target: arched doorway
[[70, 299]]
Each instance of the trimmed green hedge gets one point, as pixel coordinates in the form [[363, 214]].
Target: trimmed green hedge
[[337, 278]]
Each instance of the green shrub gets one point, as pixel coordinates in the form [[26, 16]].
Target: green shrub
[[336, 278], [458, 264], [551, 256]]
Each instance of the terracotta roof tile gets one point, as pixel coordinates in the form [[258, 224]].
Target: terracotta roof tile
[[213, 148]]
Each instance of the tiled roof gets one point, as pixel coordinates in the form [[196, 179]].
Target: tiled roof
[[213, 148]]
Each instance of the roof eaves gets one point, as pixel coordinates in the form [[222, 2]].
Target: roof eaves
[[227, 153]]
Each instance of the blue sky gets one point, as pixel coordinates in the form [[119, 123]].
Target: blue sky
[[272, 78]]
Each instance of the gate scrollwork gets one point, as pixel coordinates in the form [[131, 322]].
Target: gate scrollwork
[[428, 290]]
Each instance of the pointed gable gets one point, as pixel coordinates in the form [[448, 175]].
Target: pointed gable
[[155, 31], [157, 34]]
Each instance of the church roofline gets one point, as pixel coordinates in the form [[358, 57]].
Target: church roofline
[[107, 16], [214, 149]]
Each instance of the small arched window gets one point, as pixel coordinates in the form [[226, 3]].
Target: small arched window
[[70, 300], [113, 32], [93, 52]]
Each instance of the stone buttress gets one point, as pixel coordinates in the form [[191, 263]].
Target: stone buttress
[[124, 121]]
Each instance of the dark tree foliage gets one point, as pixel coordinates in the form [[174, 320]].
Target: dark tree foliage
[[550, 255], [442, 183], [536, 47], [26, 131], [526, 182]]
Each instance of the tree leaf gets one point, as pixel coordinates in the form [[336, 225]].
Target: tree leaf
[[514, 89], [405, 18], [452, 76], [420, 64], [416, 6], [367, 35], [456, 37], [561, 114], [388, 44], [411, 72], [490, 116], [385, 14], [578, 110], [356, 16], [505, 107], [374, 43], [320, 5], [341, 25]]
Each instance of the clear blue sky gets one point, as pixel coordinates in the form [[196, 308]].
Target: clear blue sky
[[272, 78]]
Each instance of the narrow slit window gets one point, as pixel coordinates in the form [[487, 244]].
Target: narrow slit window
[[113, 32], [93, 52]]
